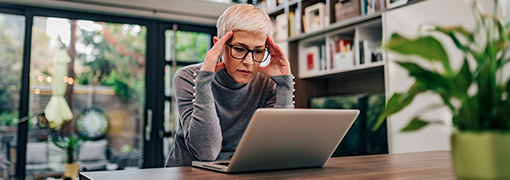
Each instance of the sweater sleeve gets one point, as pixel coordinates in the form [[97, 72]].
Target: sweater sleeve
[[284, 92], [197, 112]]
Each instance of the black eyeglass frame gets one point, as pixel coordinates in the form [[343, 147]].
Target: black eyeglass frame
[[249, 51]]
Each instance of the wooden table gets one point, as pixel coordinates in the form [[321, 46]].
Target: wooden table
[[421, 165]]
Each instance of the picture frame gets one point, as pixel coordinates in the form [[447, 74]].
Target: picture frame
[[315, 17], [395, 3]]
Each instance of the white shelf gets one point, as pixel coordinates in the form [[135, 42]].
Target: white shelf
[[337, 25], [337, 71]]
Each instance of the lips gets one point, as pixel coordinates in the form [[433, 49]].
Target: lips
[[244, 72]]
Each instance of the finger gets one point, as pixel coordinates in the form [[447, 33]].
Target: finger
[[213, 54], [225, 38], [275, 49], [263, 69], [219, 66]]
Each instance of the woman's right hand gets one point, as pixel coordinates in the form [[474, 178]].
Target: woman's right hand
[[213, 54]]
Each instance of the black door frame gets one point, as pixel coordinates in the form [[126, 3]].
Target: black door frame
[[155, 63], [160, 29]]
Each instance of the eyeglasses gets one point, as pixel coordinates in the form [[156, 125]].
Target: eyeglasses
[[240, 52]]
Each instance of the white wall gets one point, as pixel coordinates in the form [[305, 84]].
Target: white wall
[[406, 21]]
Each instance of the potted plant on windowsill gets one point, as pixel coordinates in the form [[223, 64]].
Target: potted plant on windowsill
[[477, 95], [70, 145]]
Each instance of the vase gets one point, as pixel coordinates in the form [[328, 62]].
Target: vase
[[71, 170], [484, 155]]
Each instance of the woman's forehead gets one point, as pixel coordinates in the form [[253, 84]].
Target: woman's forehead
[[250, 39]]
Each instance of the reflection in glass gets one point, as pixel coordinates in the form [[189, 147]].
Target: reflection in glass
[[190, 48], [106, 74], [12, 29]]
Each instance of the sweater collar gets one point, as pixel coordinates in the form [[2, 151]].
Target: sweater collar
[[226, 80]]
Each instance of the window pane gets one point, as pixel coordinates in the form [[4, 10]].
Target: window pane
[[192, 46], [12, 29], [104, 88]]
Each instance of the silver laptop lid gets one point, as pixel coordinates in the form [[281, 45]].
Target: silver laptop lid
[[291, 138]]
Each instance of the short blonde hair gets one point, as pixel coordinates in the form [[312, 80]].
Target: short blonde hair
[[244, 17]]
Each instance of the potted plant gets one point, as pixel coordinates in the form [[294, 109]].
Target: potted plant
[[477, 94], [70, 145]]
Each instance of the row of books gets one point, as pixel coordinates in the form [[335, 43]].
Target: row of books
[[341, 55], [286, 26], [315, 17]]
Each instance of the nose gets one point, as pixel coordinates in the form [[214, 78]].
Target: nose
[[248, 60]]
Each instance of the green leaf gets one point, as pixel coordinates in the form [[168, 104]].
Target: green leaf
[[452, 32], [417, 124], [456, 29], [464, 77], [431, 80], [414, 125], [397, 102], [508, 90], [427, 47]]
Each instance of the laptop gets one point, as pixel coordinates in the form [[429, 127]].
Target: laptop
[[286, 139]]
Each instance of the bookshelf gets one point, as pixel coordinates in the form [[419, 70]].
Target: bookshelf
[[338, 71], [335, 45], [383, 76]]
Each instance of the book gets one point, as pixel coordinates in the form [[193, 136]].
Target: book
[[312, 58], [292, 17], [282, 30], [361, 53], [323, 57], [366, 57], [297, 22], [331, 61]]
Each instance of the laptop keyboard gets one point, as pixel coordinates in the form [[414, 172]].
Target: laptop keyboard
[[223, 163]]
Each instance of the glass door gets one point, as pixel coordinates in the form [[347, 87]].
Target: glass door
[[104, 86]]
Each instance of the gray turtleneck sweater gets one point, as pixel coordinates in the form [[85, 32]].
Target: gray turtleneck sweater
[[214, 111]]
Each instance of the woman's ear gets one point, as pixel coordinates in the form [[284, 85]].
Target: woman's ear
[[215, 39]]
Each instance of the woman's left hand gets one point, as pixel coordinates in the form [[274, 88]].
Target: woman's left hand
[[279, 64]]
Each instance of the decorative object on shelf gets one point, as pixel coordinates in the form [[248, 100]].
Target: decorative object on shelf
[[92, 123], [346, 9], [371, 6], [315, 17], [395, 3], [343, 57], [477, 94], [70, 145]]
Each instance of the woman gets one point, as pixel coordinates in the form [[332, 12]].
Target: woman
[[217, 100]]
